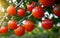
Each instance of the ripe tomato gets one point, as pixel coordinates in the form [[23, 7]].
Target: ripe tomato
[[47, 24], [19, 31], [11, 10], [12, 24], [30, 6], [28, 25], [0, 31], [38, 12], [21, 12], [47, 3], [56, 10], [4, 29]]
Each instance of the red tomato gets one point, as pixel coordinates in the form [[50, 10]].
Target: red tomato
[[0, 31], [30, 6], [12, 24], [56, 10], [21, 12], [47, 3], [11, 10], [38, 12], [4, 29], [28, 25], [19, 31], [47, 24]]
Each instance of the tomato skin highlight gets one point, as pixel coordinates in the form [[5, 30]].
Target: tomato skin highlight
[[56, 10], [28, 25], [38, 12], [47, 24], [11, 10], [4, 29], [21, 12], [12, 24], [19, 31], [47, 3]]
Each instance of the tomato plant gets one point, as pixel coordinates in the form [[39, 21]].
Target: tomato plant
[[25, 17]]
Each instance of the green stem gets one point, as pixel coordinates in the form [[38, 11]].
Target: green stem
[[19, 22], [3, 19], [20, 3]]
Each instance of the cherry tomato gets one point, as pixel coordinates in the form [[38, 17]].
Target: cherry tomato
[[56, 10], [47, 3], [47, 24], [30, 6], [38, 12], [11, 10], [12, 24], [21, 12], [19, 31], [0, 31], [4, 29], [28, 25]]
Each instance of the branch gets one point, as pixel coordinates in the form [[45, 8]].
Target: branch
[[20, 3], [3, 18], [7, 14], [24, 19]]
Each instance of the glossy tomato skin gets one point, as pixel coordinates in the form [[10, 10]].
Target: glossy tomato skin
[[12, 24], [38, 12], [47, 24], [28, 25], [19, 31], [47, 3], [21, 12], [30, 6], [4, 29], [56, 10], [11, 10]]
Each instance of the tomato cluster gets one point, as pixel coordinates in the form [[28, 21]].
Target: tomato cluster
[[18, 30], [36, 11]]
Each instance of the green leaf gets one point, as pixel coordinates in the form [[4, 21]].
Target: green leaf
[[56, 20], [55, 30], [49, 10]]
